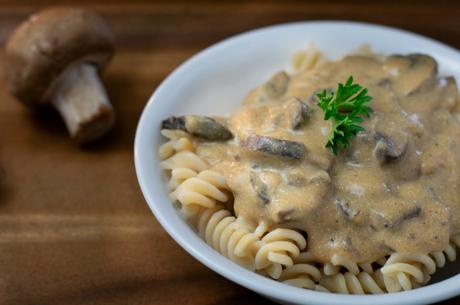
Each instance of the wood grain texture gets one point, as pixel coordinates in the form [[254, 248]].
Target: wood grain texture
[[74, 227]]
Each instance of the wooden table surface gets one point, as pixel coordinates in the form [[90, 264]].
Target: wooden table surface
[[74, 227]]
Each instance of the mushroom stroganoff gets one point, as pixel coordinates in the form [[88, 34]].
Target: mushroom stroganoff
[[380, 215]]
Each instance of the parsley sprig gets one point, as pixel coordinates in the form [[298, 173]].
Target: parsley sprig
[[345, 108]]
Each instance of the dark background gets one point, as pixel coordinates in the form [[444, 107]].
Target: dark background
[[74, 228]]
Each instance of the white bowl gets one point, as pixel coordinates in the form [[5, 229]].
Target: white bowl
[[215, 81]]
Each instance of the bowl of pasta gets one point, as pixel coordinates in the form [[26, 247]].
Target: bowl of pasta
[[310, 166]]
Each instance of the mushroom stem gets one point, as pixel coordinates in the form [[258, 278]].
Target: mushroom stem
[[80, 98]]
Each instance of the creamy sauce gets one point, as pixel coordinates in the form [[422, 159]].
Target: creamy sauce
[[364, 203]]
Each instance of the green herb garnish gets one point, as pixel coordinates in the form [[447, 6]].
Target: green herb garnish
[[345, 108]]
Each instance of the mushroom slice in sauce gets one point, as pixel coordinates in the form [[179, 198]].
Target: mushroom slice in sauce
[[290, 113], [273, 146], [345, 208], [413, 213], [301, 115], [277, 85], [285, 215], [200, 126], [389, 148], [449, 94], [260, 188], [405, 216], [413, 70]]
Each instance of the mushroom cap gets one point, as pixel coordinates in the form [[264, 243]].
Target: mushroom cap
[[42, 47]]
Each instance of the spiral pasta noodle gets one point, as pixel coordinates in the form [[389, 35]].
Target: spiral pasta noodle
[[184, 160], [399, 272], [241, 242], [177, 141], [406, 271], [230, 236], [302, 276], [203, 189], [350, 283], [190, 183], [178, 158], [306, 59], [304, 273], [364, 279], [278, 249], [336, 262]]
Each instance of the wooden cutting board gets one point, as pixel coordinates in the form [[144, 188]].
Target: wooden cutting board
[[74, 227]]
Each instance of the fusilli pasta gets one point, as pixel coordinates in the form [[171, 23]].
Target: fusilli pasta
[[278, 249], [225, 233], [349, 283], [304, 273], [406, 271]]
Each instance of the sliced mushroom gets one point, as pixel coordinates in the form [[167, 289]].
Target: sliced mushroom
[[386, 248], [200, 126], [301, 115], [392, 212], [412, 71], [260, 188], [277, 85], [413, 213], [449, 93], [389, 148], [296, 179], [321, 176], [345, 208], [285, 215], [273, 146], [290, 113], [385, 83], [409, 214]]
